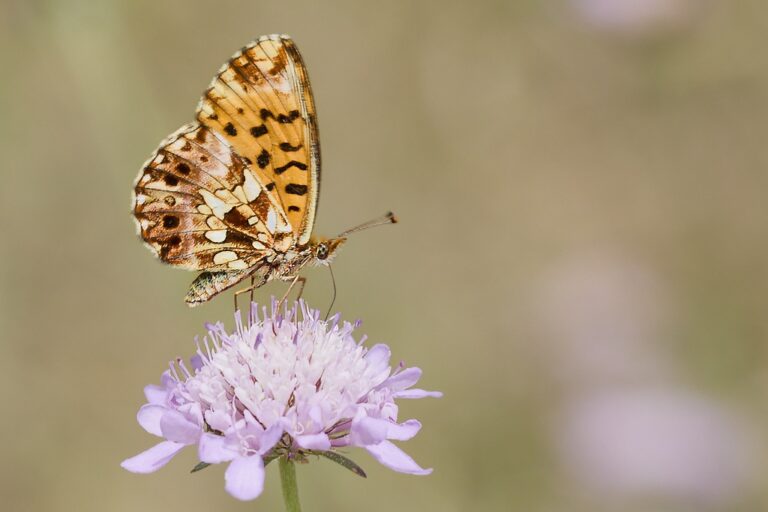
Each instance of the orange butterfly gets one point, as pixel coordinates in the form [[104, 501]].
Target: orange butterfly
[[235, 193]]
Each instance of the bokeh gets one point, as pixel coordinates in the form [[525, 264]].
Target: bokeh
[[581, 264]]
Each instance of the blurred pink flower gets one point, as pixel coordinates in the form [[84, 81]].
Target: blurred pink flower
[[280, 386], [602, 316], [636, 17], [661, 444]]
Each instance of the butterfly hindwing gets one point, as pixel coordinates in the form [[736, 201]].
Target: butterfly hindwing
[[261, 103], [201, 207]]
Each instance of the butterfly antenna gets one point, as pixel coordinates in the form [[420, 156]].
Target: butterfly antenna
[[387, 218], [333, 300]]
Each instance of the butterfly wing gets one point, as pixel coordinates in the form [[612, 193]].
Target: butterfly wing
[[261, 103], [200, 206]]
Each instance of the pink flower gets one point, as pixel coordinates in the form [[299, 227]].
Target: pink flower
[[287, 385], [637, 17]]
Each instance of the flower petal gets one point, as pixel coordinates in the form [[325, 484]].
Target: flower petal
[[394, 458], [215, 449], [149, 418], [378, 358], [244, 478], [403, 431], [270, 437], [175, 427], [218, 420], [153, 459], [157, 394], [314, 442], [402, 380], [417, 393], [367, 431]]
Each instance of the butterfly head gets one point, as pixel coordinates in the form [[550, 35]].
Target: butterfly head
[[325, 249]]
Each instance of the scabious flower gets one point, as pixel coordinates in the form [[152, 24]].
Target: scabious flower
[[283, 384]]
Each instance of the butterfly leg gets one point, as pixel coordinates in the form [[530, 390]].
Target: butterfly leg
[[246, 290], [297, 279]]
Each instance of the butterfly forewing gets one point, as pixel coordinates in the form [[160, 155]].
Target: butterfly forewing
[[236, 191], [261, 103]]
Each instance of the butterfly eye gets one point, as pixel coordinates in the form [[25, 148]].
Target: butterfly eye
[[322, 251]]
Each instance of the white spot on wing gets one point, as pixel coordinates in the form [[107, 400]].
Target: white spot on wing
[[240, 194], [204, 209], [251, 186], [227, 196], [217, 206], [271, 220], [283, 226], [237, 265], [222, 257], [217, 236], [258, 245]]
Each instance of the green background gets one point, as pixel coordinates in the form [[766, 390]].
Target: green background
[[583, 213]]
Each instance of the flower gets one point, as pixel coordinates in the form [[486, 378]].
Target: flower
[[637, 17], [284, 384]]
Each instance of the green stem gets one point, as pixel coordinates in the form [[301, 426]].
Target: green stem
[[290, 488]]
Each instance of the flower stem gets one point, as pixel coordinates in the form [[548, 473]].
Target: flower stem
[[290, 488]]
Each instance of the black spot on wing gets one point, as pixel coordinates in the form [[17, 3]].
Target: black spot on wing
[[293, 114], [292, 163], [294, 209], [263, 159], [183, 168], [258, 131], [230, 129], [281, 118], [286, 146], [295, 189], [170, 221], [171, 180]]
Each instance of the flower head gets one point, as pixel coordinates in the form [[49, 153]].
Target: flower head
[[284, 384]]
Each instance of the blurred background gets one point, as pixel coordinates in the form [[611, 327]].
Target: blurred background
[[580, 265]]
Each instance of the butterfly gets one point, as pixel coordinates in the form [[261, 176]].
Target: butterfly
[[235, 193]]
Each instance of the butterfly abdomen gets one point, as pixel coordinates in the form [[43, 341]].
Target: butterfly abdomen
[[209, 284]]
